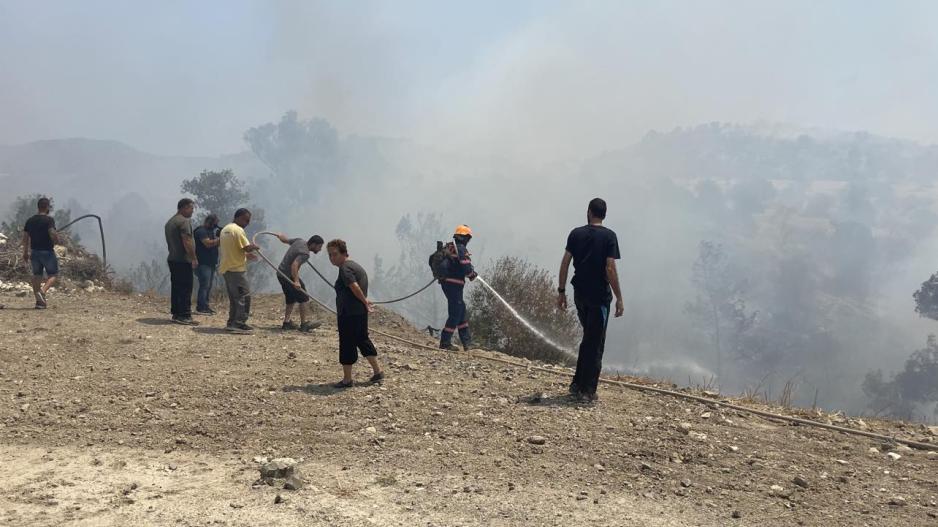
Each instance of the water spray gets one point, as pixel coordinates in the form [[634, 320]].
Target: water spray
[[521, 319]]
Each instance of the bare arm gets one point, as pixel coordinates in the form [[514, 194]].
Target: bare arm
[[283, 238], [295, 271], [25, 246], [562, 281], [54, 235], [613, 276], [360, 295], [189, 244]]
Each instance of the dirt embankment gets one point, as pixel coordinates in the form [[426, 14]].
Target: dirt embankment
[[112, 416]]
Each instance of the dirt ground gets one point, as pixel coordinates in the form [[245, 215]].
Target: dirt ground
[[112, 416]]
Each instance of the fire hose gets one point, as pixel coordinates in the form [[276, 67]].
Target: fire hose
[[326, 280], [639, 387], [100, 228]]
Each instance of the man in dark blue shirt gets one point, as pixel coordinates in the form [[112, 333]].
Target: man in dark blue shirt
[[206, 252], [594, 250]]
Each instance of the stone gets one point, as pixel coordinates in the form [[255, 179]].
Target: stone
[[800, 481], [279, 468], [293, 482], [897, 501], [278, 499], [685, 428], [904, 448], [893, 456], [932, 430], [686, 483], [537, 440], [737, 515]]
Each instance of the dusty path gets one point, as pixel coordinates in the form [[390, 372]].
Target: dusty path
[[99, 393]]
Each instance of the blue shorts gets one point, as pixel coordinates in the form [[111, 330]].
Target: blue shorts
[[44, 261]]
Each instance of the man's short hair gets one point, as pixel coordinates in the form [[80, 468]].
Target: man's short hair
[[598, 208], [183, 203], [241, 212], [315, 240], [211, 219], [339, 245], [44, 204]]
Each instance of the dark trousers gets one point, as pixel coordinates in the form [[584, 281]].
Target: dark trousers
[[353, 337], [206, 276], [456, 315], [239, 298], [594, 317], [180, 296]]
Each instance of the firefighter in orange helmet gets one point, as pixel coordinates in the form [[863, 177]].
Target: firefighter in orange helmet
[[457, 268]]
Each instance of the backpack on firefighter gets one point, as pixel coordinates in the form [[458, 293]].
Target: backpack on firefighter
[[440, 259]]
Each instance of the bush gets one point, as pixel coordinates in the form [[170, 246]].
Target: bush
[[532, 292]]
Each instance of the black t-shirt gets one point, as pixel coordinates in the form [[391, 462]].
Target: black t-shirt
[[590, 246], [38, 229], [345, 301], [206, 255]]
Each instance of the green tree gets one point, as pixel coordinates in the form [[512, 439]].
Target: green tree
[[217, 191], [303, 156]]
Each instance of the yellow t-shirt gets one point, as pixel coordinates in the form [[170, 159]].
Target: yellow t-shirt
[[233, 241]]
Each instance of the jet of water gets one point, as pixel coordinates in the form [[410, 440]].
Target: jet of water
[[521, 319]]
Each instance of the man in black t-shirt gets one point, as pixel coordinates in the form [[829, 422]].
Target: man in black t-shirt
[[594, 250], [206, 252], [352, 308], [39, 239]]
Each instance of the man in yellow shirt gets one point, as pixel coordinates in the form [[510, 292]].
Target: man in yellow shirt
[[236, 250]]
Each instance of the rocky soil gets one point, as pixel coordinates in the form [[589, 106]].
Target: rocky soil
[[109, 415]]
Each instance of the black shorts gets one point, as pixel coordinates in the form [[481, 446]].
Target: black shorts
[[291, 293], [353, 337]]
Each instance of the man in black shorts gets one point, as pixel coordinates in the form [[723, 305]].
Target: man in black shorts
[[594, 250], [39, 239], [352, 308], [297, 254]]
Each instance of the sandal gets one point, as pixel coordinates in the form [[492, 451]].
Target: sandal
[[342, 385], [376, 378]]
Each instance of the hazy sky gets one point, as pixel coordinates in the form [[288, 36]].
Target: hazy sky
[[542, 78]]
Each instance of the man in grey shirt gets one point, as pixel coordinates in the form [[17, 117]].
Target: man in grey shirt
[[291, 283], [182, 261]]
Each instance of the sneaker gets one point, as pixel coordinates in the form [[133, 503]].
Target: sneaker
[[376, 378], [289, 325], [244, 327], [206, 311], [236, 330], [591, 397], [185, 321], [448, 347], [40, 306], [341, 385], [574, 388], [309, 326]]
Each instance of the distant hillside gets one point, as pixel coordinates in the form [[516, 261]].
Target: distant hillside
[[723, 151]]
